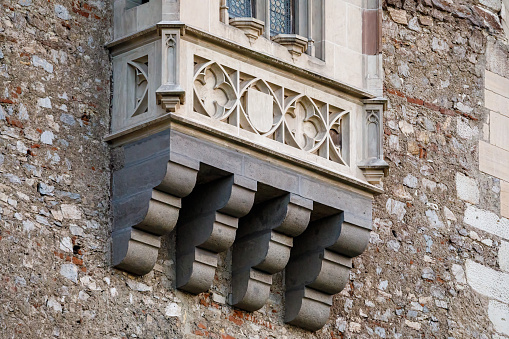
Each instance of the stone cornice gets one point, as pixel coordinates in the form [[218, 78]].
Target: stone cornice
[[119, 44]]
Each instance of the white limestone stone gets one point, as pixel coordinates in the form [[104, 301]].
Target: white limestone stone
[[503, 256], [410, 181], [464, 130], [406, 127], [434, 219], [54, 304], [66, 244], [449, 215], [70, 211], [396, 208], [44, 102], [173, 310], [499, 316], [69, 271], [47, 137], [467, 188], [39, 62], [138, 286], [487, 281], [459, 273], [487, 221], [413, 324]]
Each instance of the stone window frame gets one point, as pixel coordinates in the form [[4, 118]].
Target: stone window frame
[[307, 25]]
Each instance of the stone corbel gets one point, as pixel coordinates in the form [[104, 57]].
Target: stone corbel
[[295, 44], [319, 267], [146, 200], [252, 27], [207, 226], [262, 248], [170, 94], [373, 164]]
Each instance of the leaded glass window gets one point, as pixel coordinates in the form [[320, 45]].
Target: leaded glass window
[[239, 8], [280, 17]]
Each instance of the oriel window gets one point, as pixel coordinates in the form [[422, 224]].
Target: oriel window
[[280, 12]]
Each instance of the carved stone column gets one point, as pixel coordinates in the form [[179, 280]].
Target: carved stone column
[[319, 267], [262, 247], [207, 226]]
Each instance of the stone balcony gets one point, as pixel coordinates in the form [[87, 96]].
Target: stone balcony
[[237, 150]]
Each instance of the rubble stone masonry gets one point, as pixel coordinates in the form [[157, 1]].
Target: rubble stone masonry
[[438, 261]]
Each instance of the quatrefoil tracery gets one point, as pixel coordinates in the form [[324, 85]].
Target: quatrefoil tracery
[[269, 110]]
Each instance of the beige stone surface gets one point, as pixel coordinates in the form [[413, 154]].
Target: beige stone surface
[[494, 160], [499, 130], [496, 102], [398, 15], [504, 198], [497, 84]]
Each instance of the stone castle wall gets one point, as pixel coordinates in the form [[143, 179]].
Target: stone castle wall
[[438, 256]]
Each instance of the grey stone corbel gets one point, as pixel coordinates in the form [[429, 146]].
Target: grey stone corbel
[[252, 27], [319, 267], [262, 248], [295, 44], [373, 164], [146, 200], [207, 226]]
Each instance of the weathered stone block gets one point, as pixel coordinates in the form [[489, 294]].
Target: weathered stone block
[[503, 256], [494, 161], [467, 188], [499, 125], [487, 281], [504, 198], [487, 221]]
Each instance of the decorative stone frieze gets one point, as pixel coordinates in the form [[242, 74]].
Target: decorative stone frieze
[[207, 226], [262, 247], [272, 111]]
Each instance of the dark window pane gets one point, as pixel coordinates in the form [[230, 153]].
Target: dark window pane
[[239, 8], [280, 17]]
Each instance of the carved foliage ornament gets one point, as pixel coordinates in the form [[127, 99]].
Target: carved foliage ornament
[[278, 113]]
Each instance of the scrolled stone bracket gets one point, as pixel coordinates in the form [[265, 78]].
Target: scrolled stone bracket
[[319, 267], [262, 248], [207, 226], [147, 194]]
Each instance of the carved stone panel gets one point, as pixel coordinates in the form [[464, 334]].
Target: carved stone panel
[[270, 110]]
